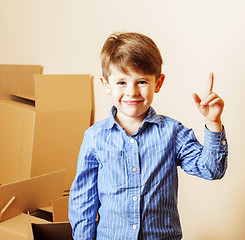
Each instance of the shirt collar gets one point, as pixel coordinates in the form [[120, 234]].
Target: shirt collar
[[111, 120], [151, 117]]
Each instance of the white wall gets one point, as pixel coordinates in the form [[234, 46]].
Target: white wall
[[194, 37]]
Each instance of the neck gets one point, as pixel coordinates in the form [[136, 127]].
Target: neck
[[130, 125]]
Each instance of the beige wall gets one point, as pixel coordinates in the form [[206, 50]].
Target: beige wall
[[194, 36]]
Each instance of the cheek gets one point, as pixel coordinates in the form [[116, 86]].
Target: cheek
[[116, 94], [149, 93]]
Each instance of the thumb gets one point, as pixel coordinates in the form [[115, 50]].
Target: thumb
[[196, 99]]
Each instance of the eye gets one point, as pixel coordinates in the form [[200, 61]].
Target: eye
[[142, 82], [121, 83]]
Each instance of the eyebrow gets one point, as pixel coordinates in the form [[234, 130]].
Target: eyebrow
[[120, 79], [137, 79]]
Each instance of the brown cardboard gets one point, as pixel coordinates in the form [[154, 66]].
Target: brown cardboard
[[54, 231], [26, 227], [18, 227], [17, 123], [18, 79], [60, 228], [42, 131], [30, 194], [60, 209]]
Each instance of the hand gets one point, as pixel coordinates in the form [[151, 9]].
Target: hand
[[211, 107]]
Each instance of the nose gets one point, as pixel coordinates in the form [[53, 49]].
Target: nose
[[132, 90]]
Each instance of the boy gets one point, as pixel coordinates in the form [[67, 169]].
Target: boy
[[127, 166]]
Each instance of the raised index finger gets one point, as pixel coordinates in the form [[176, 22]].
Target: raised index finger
[[210, 83]]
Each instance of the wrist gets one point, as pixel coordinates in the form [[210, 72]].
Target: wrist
[[214, 126]]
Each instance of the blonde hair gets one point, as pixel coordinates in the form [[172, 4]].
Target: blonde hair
[[132, 51]]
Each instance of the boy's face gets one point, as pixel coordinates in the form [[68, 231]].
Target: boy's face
[[132, 93]]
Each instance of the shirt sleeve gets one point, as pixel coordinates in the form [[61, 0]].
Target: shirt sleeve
[[208, 161], [83, 200]]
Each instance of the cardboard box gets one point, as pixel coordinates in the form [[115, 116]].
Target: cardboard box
[[42, 121], [58, 210], [30, 194], [27, 227], [56, 228], [19, 227], [18, 79], [17, 223], [51, 231]]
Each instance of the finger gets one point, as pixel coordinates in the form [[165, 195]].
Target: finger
[[210, 83], [209, 99], [196, 99], [216, 100]]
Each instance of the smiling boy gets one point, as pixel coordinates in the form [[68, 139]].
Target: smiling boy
[[127, 166]]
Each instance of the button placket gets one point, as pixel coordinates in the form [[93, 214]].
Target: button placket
[[135, 180]]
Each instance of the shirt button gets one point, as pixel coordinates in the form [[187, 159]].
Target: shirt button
[[135, 198], [132, 140], [223, 142], [134, 227], [134, 169]]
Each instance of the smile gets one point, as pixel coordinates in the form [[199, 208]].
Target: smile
[[132, 102]]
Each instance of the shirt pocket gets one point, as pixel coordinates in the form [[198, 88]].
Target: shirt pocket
[[114, 170]]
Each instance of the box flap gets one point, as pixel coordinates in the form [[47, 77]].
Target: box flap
[[63, 92], [30, 194], [18, 79], [23, 98], [18, 227], [60, 209], [48, 209]]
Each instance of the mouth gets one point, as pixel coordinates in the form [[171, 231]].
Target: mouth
[[132, 102]]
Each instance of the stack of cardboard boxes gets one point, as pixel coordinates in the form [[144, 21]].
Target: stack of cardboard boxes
[[42, 122]]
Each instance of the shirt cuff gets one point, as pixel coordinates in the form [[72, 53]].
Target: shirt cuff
[[215, 141]]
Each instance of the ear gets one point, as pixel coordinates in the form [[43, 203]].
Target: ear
[[159, 83], [105, 85]]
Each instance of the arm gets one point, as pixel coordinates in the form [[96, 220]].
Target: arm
[[83, 200], [208, 161]]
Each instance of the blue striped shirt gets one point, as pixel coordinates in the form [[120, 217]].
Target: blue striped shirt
[[132, 180]]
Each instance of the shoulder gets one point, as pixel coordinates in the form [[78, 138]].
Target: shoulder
[[171, 126], [175, 130], [98, 127], [96, 135], [162, 121], [168, 122]]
